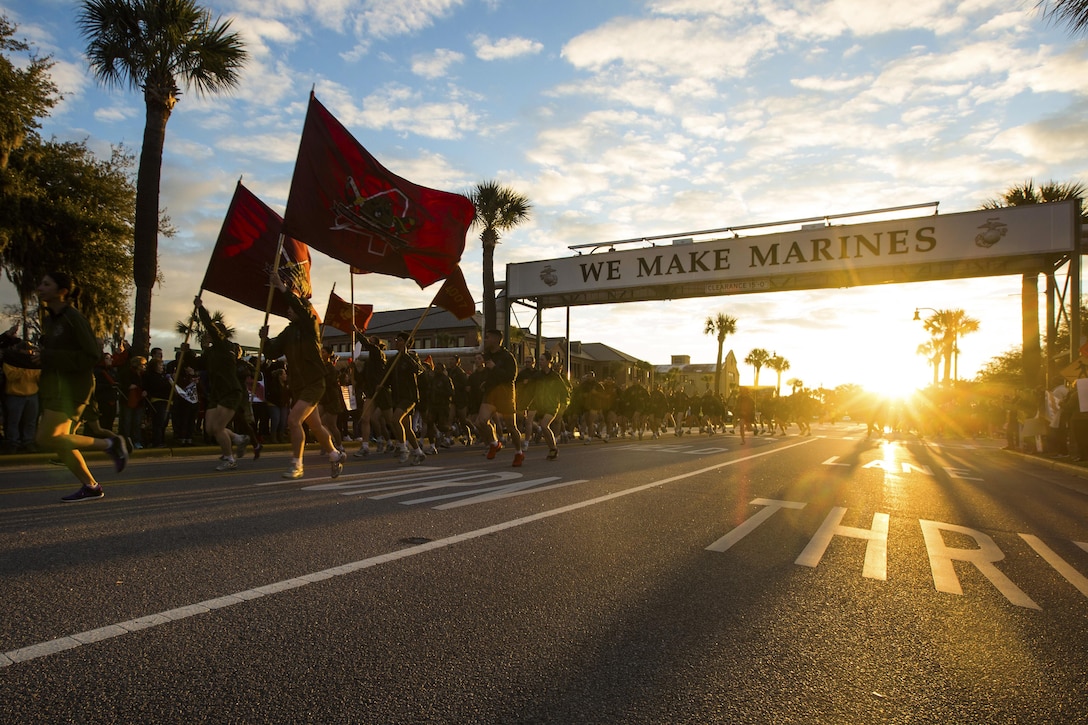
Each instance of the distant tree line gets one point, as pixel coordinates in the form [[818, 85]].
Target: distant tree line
[[61, 207]]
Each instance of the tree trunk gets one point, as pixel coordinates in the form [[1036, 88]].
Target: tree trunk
[[145, 248], [490, 313], [946, 353], [718, 368]]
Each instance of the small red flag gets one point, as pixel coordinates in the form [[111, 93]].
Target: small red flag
[[245, 251], [339, 314], [347, 205], [455, 296]]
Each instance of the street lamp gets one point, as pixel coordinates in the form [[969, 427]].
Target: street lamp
[[918, 317]]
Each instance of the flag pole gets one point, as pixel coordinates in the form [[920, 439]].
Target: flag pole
[[411, 338], [181, 357], [267, 314], [351, 276], [324, 320]]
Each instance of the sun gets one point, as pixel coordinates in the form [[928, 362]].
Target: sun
[[882, 360]]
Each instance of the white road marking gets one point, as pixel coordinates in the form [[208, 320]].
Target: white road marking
[[876, 551], [1060, 565], [752, 523], [43, 649], [983, 557]]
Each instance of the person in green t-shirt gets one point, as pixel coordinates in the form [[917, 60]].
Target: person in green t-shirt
[[69, 352]]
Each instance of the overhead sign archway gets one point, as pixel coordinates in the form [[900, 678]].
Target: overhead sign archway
[[1028, 240]]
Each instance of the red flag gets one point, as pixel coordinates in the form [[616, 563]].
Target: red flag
[[347, 205], [339, 314], [245, 251], [455, 297]]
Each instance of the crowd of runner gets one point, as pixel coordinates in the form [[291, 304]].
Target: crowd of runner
[[380, 402]]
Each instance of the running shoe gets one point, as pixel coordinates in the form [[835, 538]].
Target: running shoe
[[337, 464], [553, 454], [403, 456], [519, 458], [363, 452], [430, 450], [226, 464], [85, 493], [240, 444], [417, 457], [118, 452], [293, 472], [493, 449], [257, 449]]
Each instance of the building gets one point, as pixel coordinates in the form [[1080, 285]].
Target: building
[[442, 336], [439, 329], [697, 378]]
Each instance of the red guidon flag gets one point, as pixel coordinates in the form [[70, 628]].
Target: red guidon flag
[[347, 205], [339, 314], [245, 252], [455, 297]]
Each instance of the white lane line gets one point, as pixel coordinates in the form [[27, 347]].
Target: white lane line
[[42, 649]]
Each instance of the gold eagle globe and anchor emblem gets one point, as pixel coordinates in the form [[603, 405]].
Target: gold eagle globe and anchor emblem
[[994, 230], [549, 276]]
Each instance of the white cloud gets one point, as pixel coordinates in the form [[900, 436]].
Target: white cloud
[[325, 13], [115, 114], [258, 32], [705, 48], [831, 85], [382, 19], [505, 48], [281, 148], [402, 109], [1052, 140], [429, 169], [435, 64]]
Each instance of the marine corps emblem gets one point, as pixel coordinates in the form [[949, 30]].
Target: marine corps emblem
[[549, 276], [994, 231]]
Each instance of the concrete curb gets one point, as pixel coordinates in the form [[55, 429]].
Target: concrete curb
[[1065, 466]]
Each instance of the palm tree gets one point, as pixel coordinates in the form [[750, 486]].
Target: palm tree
[[182, 328], [1029, 193], [152, 46], [780, 365], [721, 325], [498, 209], [947, 327], [931, 351], [796, 384], [757, 358], [1073, 13]]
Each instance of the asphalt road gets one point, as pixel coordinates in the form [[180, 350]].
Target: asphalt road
[[827, 579]]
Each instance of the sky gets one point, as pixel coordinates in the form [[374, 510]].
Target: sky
[[622, 119]]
